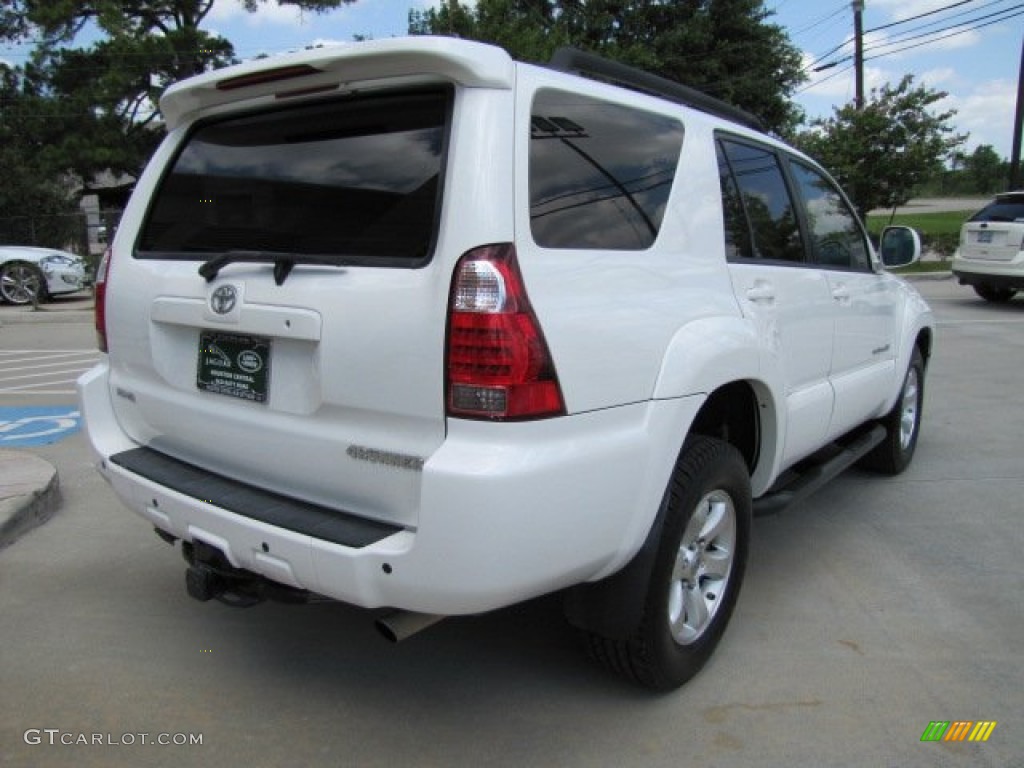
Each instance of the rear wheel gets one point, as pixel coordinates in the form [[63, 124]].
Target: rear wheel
[[697, 572], [993, 294], [902, 424], [21, 283]]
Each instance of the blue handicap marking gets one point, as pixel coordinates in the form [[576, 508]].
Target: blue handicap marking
[[37, 425]]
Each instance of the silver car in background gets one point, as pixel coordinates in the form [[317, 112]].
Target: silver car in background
[[29, 274]]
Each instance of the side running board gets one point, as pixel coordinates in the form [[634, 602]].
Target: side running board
[[811, 476]]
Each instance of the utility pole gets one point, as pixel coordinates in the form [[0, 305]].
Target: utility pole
[[1018, 123], [858, 50]]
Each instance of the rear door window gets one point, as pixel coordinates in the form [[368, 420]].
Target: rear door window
[[760, 218], [600, 173], [356, 178]]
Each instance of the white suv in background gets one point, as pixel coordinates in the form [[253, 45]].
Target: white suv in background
[[991, 254], [417, 327]]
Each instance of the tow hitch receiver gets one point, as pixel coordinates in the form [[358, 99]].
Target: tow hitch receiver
[[203, 583], [211, 577]]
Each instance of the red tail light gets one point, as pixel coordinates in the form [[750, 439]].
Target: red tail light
[[498, 363], [100, 300]]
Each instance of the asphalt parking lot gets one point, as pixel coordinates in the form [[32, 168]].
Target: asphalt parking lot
[[874, 608]]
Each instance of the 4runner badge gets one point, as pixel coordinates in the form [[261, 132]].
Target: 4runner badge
[[223, 299]]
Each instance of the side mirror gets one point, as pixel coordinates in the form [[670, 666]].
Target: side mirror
[[901, 246]]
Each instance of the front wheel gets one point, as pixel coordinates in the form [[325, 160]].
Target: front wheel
[[902, 424], [697, 572]]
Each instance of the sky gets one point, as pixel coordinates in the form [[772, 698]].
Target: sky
[[977, 63]]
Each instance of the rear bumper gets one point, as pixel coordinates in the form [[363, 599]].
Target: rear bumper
[[507, 511], [998, 274]]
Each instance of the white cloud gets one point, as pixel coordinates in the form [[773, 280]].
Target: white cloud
[[326, 42], [268, 13], [904, 9], [987, 113]]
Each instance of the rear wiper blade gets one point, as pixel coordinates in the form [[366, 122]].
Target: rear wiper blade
[[283, 262]]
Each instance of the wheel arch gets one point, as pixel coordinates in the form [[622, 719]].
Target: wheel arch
[[744, 414], [740, 412]]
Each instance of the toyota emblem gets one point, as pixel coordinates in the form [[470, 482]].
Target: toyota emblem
[[223, 299]]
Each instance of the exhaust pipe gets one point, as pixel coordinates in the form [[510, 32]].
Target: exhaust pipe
[[399, 625]]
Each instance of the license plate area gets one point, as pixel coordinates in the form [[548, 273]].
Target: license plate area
[[233, 364], [984, 236]]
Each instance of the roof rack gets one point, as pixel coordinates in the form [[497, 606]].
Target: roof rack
[[599, 68]]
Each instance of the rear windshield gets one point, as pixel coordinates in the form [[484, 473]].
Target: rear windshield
[[356, 178], [1005, 209]]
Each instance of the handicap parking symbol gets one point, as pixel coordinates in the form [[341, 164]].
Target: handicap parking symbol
[[42, 425]]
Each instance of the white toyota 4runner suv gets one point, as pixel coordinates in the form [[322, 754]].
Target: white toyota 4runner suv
[[413, 326]]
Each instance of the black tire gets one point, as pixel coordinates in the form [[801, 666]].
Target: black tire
[[902, 424], [22, 283], [688, 605], [995, 295]]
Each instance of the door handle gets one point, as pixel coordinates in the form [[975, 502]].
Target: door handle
[[761, 293], [841, 294]]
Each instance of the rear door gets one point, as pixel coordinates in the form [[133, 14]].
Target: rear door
[[307, 358], [788, 298]]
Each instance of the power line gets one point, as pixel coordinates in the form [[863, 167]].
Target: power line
[[969, 26], [958, 15], [821, 57], [825, 79], [946, 37], [919, 16], [814, 24]]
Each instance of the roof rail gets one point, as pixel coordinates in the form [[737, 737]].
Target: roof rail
[[599, 68]]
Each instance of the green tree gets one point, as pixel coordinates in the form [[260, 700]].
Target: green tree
[[725, 48], [105, 94], [986, 172], [882, 152], [36, 207]]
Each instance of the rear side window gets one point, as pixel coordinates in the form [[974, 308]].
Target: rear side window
[[600, 173], [356, 178], [1002, 209]]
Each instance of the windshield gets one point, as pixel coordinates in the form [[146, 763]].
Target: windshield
[[356, 178]]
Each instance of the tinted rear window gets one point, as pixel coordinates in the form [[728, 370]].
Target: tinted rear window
[[357, 178], [1006, 209], [600, 173]]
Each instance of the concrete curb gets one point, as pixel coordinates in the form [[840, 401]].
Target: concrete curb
[[74, 308], [27, 316], [29, 494], [915, 276]]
